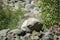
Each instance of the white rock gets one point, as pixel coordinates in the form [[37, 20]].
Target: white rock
[[29, 21]]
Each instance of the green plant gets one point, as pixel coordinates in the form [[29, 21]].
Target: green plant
[[50, 12], [9, 18]]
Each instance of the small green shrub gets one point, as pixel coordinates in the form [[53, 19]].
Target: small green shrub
[[50, 12]]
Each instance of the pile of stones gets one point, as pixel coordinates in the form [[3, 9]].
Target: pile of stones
[[28, 32], [27, 5], [53, 33]]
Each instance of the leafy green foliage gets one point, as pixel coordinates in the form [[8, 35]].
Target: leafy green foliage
[[50, 12], [9, 18], [15, 18]]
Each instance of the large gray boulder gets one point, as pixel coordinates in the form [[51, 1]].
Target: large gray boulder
[[14, 34], [17, 34], [3, 34], [32, 24]]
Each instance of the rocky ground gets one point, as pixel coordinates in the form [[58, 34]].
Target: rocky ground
[[50, 34], [30, 7]]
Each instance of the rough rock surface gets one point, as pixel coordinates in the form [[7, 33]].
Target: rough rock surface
[[27, 5], [52, 33]]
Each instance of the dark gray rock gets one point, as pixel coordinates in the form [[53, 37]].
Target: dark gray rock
[[31, 24]]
